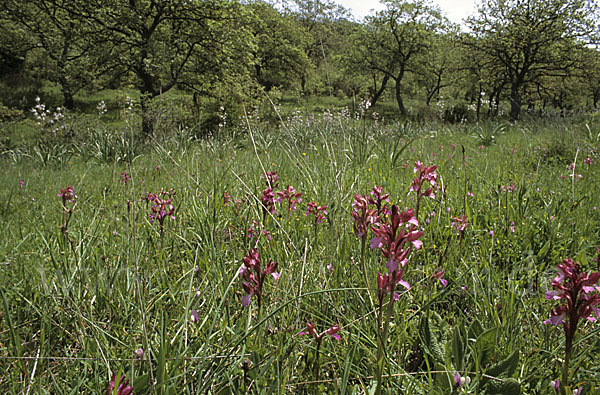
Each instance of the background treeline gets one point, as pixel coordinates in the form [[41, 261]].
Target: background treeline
[[511, 56]]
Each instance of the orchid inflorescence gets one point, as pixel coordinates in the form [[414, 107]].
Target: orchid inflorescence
[[395, 240], [161, 206], [579, 297], [69, 201], [125, 178], [123, 387], [291, 196], [426, 180], [460, 224], [363, 217], [68, 195], [392, 238], [267, 198], [379, 199], [319, 212], [253, 276], [310, 330], [271, 179]]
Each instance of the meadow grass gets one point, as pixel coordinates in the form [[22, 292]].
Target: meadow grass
[[79, 299]]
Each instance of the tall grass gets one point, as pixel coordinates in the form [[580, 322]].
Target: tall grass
[[72, 302]]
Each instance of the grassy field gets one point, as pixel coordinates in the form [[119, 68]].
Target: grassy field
[[102, 284]]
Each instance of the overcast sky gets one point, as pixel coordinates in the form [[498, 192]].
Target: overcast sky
[[455, 10]]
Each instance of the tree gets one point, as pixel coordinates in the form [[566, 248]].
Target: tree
[[280, 42], [436, 66], [165, 43], [62, 42], [318, 18], [589, 74], [529, 39], [395, 37]]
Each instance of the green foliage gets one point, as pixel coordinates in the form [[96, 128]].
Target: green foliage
[[526, 41]]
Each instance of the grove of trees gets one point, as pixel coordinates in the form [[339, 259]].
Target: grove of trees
[[534, 53]]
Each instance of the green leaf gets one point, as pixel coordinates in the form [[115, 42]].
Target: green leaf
[[458, 349], [141, 383], [502, 369], [475, 330], [430, 341], [506, 387], [544, 250], [485, 345]]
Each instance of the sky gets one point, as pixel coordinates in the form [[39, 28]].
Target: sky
[[455, 10]]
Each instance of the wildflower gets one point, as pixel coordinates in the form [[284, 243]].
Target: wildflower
[[238, 204], [576, 290], [512, 227], [509, 188], [555, 384], [123, 389], [21, 183], [291, 196], [578, 297], [330, 267], [362, 216], [378, 198], [587, 161], [101, 107], [470, 194], [67, 195], [271, 179], [226, 199], [253, 277], [392, 238], [139, 354], [491, 233], [310, 330], [385, 284], [252, 229], [266, 234], [460, 224], [438, 275], [319, 212], [268, 202], [162, 207], [125, 177], [460, 381], [195, 317], [426, 175]]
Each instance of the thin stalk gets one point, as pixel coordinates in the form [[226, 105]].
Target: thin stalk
[[316, 363], [384, 335], [363, 242]]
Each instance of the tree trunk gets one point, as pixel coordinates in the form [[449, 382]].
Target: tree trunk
[[147, 123], [379, 91], [67, 93], [68, 99], [515, 101], [303, 84], [399, 93], [478, 109]]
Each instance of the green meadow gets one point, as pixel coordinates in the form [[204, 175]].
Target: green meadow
[[100, 283]]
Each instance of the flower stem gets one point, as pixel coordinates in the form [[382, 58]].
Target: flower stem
[[363, 241], [383, 336]]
